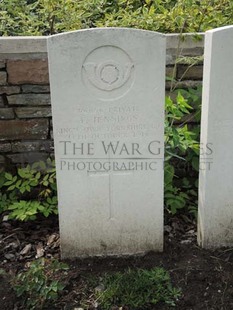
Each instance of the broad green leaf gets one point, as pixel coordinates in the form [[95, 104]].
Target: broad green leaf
[[8, 176]]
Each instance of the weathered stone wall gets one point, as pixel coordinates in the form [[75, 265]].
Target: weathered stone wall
[[25, 111]]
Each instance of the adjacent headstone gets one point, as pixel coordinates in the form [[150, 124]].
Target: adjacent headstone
[[107, 88], [215, 220]]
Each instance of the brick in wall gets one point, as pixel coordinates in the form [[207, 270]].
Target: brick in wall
[[5, 147], [23, 129], [27, 157], [6, 113], [29, 99], [1, 102], [2, 161], [184, 84], [3, 77], [190, 73], [2, 64], [34, 71], [36, 89], [170, 71], [33, 112], [9, 90], [32, 146]]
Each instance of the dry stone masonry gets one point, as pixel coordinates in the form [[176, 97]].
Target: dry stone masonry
[[25, 112]]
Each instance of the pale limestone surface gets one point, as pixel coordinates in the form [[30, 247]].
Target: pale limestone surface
[[107, 86], [215, 219]]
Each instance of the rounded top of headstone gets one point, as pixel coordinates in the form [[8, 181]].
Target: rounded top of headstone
[[220, 29], [102, 30]]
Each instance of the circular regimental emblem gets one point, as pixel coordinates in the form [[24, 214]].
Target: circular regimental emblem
[[108, 71]]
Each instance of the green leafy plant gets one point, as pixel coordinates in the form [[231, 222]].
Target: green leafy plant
[[137, 289], [44, 17], [5, 199], [27, 210], [20, 190], [40, 284], [40, 174], [181, 151]]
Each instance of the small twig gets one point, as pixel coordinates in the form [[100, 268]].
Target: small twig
[[16, 229], [189, 119], [8, 237], [220, 259], [223, 294], [177, 55]]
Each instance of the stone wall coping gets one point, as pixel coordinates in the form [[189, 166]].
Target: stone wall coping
[[38, 44], [23, 45], [188, 40]]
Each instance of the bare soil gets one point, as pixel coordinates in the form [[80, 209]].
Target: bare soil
[[204, 276]]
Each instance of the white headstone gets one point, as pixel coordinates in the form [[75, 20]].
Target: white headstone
[[107, 88], [215, 220]]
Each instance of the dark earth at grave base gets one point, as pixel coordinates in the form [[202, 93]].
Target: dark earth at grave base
[[205, 277]]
